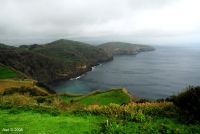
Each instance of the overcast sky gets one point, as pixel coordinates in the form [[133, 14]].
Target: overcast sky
[[139, 21]]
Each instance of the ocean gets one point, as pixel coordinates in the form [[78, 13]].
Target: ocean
[[151, 75]]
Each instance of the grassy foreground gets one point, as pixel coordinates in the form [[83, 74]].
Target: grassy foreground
[[33, 123], [143, 118], [27, 114], [27, 108]]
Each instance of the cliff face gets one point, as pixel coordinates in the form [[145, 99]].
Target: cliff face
[[61, 59], [35, 66], [120, 48]]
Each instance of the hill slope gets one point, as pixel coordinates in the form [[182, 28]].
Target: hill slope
[[8, 73], [56, 60]]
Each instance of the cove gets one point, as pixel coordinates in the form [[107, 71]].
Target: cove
[[151, 75]]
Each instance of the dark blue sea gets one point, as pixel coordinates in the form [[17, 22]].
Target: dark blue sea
[[152, 75]]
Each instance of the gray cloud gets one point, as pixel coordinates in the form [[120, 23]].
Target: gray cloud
[[155, 21]]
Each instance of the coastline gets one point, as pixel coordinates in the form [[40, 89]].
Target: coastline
[[82, 73], [77, 75]]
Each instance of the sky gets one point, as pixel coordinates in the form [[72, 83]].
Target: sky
[[137, 21]]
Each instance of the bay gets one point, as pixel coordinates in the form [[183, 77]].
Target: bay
[[151, 75]]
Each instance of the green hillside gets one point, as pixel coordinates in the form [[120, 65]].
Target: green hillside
[[9, 73], [6, 73], [3, 46], [70, 51], [117, 96], [53, 61]]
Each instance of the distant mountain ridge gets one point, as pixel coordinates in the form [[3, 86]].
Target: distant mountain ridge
[[121, 48]]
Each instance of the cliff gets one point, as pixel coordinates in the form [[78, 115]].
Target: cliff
[[61, 59]]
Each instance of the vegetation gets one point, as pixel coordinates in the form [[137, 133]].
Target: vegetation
[[25, 90], [21, 86], [6, 73], [117, 96], [157, 125], [52, 61], [58, 113], [71, 52], [10, 73], [5, 47], [30, 122], [97, 119], [189, 102]]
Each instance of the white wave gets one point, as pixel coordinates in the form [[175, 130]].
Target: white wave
[[93, 68], [76, 78]]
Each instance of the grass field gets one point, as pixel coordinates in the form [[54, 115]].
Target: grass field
[[35, 123], [117, 96], [6, 73], [38, 122]]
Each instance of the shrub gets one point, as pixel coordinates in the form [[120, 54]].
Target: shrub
[[142, 101], [40, 100], [189, 102], [14, 110], [24, 90], [152, 108], [111, 110], [112, 127], [58, 103], [138, 117], [17, 99], [136, 112]]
